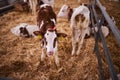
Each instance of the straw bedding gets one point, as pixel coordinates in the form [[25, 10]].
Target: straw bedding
[[20, 57]]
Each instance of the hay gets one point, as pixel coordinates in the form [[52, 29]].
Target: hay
[[20, 57]]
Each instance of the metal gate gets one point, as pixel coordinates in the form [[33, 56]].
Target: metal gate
[[99, 35]]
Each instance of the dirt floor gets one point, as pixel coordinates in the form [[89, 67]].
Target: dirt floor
[[20, 57]]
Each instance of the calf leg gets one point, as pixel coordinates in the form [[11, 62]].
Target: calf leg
[[43, 54], [73, 47], [81, 41], [57, 59], [73, 42]]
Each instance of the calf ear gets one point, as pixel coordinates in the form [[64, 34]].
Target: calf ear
[[61, 35], [38, 34]]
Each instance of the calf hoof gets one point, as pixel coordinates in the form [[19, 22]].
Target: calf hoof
[[73, 53], [78, 53], [42, 57], [58, 65]]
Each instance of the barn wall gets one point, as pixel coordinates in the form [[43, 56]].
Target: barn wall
[[3, 3], [11, 1]]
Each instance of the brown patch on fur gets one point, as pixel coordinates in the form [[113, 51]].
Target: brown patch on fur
[[24, 31], [21, 6], [45, 14], [80, 17], [70, 12]]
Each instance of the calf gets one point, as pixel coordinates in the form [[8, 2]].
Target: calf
[[34, 3], [79, 24], [66, 11], [105, 30], [105, 27], [24, 30], [46, 19], [21, 6]]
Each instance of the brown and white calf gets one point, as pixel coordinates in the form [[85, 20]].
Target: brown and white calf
[[66, 12], [46, 19], [25, 30], [34, 3], [79, 24]]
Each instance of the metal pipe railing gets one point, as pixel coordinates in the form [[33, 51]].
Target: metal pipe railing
[[99, 35], [113, 27]]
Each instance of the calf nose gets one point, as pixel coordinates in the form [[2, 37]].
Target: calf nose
[[50, 53]]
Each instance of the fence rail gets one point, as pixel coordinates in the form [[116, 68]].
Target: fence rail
[[98, 35]]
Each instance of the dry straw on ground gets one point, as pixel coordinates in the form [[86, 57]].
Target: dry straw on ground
[[20, 57]]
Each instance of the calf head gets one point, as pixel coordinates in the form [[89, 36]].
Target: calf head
[[63, 13], [49, 40], [24, 32]]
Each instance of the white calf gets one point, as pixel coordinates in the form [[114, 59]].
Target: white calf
[[24, 30], [104, 29], [79, 25], [65, 11]]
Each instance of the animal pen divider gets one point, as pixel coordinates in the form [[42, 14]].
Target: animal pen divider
[[99, 36]]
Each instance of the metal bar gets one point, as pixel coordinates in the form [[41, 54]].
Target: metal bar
[[96, 48], [108, 57], [106, 50], [113, 27]]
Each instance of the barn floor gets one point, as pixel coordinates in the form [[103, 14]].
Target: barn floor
[[20, 57]]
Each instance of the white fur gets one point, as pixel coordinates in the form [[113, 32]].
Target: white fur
[[63, 13], [50, 2], [44, 5], [53, 21], [79, 30], [42, 23], [104, 29], [50, 36], [25, 0], [80, 10], [30, 28], [16, 31]]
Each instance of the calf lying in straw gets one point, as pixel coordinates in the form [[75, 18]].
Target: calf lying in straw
[[24, 30]]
